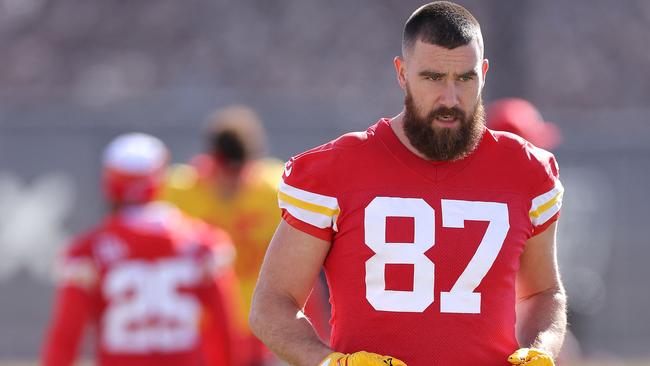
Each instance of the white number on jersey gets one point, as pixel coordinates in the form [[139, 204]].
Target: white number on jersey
[[146, 312], [375, 228], [461, 298]]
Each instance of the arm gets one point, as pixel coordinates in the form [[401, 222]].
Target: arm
[[292, 264], [69, 317], [317, 310], [541, 300]]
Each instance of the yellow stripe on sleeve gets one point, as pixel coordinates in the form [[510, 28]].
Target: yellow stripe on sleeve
[[540, 210], [308, 206]]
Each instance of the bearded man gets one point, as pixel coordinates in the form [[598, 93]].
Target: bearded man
[[437, 235]]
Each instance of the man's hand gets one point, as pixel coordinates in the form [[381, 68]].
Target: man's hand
[[531, 357], [361, 358]]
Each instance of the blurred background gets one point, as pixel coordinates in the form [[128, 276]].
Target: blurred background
[[75, 73]]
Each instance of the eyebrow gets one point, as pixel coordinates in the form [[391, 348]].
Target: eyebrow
[[468, 73], [431, 74], [435, 74]]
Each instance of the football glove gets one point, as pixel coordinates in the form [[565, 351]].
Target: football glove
[[361, 358], [531, 357]]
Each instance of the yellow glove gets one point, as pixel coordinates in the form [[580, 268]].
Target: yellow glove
[[361, 358], [531, 357]]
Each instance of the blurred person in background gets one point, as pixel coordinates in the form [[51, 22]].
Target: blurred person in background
[[148, 278], [233, 184], [522, 118], [437, 234]]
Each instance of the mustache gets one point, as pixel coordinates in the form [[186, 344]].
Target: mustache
[[444, 111]]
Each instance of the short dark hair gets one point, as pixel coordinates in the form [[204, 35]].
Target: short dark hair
[[235, 135], [229, 146], [441, 23]]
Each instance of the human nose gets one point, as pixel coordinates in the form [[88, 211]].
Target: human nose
[[449, 97]]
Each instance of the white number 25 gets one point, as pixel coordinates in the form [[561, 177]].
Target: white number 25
[[461, 298], [138, 291]]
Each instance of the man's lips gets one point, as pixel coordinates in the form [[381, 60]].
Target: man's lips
[[446, 121]]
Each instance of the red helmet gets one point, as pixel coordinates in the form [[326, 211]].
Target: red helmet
[[133, 168], [522, 118]]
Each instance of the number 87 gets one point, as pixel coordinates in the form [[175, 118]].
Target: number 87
[[461, 298]]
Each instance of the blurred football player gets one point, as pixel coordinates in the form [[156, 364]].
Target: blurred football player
[[233, 185], [437, 235], [520, 117], [148, 278]]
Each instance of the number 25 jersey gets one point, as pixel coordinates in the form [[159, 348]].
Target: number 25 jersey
[[150, 279], [424, 254]]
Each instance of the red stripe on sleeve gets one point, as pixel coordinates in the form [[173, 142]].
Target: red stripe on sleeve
[[323, 234]]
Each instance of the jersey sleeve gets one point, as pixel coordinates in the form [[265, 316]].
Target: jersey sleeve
[[77, 278], [70, 314], [307, 197], [77, 271], [546, 200]]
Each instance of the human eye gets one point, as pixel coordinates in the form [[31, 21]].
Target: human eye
[[433, 77], [466, 78]]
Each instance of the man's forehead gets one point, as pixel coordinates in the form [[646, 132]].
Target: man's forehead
[[466, 57]]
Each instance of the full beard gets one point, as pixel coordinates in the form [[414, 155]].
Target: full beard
[[440, 143]]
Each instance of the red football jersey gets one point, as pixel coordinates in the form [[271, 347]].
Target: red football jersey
[[424, 254], [148, 279]]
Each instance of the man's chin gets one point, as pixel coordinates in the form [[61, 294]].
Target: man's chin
[[444, 130]]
